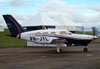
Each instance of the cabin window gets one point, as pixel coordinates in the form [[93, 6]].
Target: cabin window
[[38, 33], [45, 33], [63, 33], [53, 33], [69, 33]]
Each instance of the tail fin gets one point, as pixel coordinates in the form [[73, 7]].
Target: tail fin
[[14, 27], [96, 32]]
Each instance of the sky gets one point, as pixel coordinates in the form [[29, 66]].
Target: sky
[[84, 12]]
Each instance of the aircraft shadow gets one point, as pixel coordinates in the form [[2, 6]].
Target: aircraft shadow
[[63, 52]]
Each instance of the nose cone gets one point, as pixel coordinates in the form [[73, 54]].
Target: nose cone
[[95, 37]]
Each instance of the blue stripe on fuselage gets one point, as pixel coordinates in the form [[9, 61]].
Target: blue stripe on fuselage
[[72, 40]]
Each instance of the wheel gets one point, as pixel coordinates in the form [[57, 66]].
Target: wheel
[[60, 51], [85, 49]]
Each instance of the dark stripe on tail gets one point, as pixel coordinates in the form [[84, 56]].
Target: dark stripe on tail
[[14, 27]]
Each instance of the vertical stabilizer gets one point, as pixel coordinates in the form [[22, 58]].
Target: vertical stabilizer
[[14, 27]]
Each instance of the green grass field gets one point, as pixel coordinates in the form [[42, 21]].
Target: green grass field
[[10, 42], [88, 33]]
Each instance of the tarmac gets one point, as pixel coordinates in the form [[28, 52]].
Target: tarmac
[[47, 58]]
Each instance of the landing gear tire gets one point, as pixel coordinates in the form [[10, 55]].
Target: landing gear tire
[[59, 50], [85, 49]]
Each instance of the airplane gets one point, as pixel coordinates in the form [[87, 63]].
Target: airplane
[[48, 36]]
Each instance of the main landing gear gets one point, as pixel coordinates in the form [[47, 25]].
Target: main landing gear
[[59, 50], [85, 49]]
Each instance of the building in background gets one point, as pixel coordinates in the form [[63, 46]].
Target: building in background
[[41, 21], [44, 21], [1, 29]]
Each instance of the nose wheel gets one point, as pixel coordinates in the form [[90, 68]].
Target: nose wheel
[[85, 49]]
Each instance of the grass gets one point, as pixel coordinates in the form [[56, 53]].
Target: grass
[[10, 42], [88, 33], [97, 40]]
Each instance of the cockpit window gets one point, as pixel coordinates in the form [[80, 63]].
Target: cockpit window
[[53, 33], [45, 33], [63, 33], [69, 33]]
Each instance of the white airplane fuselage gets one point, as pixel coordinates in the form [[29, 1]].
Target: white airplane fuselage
[[47, 36]]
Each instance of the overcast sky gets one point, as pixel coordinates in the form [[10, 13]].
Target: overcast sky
[[85, 12]]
